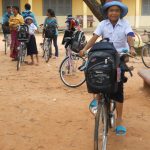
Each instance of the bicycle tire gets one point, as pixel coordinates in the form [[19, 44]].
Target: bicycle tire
[[19, 61], [145, 54], [101, 125], [5, 46], [61, 73], [47, 52], [138, 42], [20, 57]]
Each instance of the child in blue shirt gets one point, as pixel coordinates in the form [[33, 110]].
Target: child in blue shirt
[[51, 19]]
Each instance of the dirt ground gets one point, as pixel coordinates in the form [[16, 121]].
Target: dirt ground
[[38, 112]]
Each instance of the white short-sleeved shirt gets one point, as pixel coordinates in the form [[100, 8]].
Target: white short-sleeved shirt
[[117, 35], [32, 29]]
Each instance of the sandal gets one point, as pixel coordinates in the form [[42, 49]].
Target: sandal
[[121, 130], [93, 106]]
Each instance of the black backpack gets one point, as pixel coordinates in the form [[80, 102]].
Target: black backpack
[[101, 70], [23, 33], [5, 26], [50, 30], [78, 41]]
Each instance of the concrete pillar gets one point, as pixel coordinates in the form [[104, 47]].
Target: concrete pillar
[[1, 8], [30, 2], [84, 15], [137, 14]]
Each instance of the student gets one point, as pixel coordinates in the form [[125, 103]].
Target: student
[[51, 19], [72, 23], [28, 12], [14, 23], [121, 35], [31, 45]]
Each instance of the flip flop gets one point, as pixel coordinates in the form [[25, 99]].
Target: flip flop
[[121, 130], [93, 106]]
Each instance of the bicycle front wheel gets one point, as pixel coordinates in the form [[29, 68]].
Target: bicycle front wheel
[[146, 56], [101, 127], [70, 73]]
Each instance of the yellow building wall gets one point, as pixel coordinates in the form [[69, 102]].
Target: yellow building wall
[[132, 7], [22, 3], [77, 7], [0, 7], [37, 7]]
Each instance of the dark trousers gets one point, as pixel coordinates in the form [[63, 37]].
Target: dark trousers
[[54, 39]]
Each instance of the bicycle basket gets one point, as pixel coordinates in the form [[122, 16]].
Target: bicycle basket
[[23, 33]]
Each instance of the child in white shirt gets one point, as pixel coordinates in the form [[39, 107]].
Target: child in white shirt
[[31, 45]]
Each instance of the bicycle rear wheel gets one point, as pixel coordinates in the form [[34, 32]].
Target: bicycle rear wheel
[[47, 50], [5, 46], [146, 55], [19, 60], [101, 127], [70, 73]]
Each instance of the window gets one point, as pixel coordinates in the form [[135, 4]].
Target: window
[[145, 7], [61, 7], [6, 3]]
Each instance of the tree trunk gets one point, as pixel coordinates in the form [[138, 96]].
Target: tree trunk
[[95, 7]]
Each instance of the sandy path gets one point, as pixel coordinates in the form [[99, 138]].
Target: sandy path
[[37, 112]]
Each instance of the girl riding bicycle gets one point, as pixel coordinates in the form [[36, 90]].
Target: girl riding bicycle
[[121, 35]]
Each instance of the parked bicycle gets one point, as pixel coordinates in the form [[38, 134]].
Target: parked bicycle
[[46, 46], [142, 40], [145, 52], [71, 72], [23, 37]]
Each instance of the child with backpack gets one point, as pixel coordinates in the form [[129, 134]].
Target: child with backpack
[[119, 32], [31, 45], [51, 29]]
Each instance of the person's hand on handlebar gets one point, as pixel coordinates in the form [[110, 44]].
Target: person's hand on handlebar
[[82, 53]]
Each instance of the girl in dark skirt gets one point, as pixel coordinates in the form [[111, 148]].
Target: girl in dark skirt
[[31, 45]]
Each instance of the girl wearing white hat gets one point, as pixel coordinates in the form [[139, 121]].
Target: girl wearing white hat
[[121, 35], [31, 45]]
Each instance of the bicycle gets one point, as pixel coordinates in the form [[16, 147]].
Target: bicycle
[[145, 52], [21, 54], [71, 68], [104, 112], [23, 37], [47, 47]]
